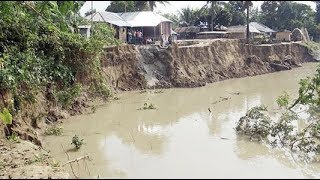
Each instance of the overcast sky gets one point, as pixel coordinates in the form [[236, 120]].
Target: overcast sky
[[173, 7]]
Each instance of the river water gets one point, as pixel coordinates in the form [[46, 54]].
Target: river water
[[181, 138]]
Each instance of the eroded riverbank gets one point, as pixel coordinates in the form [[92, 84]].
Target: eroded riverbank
[[181, 139], [194, 63]]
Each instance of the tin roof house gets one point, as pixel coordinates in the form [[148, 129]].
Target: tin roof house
[[150, 23], [255, 28]]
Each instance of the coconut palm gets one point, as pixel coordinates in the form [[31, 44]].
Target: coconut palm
[[147, 5], [141, 5], [152, 4], [187, 16]]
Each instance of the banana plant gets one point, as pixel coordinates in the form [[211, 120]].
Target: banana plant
[[6, 116], [62, 13]]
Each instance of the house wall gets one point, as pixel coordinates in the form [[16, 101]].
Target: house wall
[[211, 36], [122, 34], [237, 35], [166, 29], [283, 36], [85, 32], [149, 32]]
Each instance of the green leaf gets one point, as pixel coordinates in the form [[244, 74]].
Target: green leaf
[[6, 116]]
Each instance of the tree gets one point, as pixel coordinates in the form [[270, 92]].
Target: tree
[[214, 8], [152, 4], [147, 5], [246, 5], [269, 13], [173, 17], [318, 11], [63, 13], [238, 17], [121, 6], [224, 17], [187, 16], [254, 15], [281, 15], [301, 15], [141, 5]]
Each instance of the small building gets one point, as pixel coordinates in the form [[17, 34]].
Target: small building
[[189, 32], [174, 35], [240, 31], [151, 25], [284, 36], [262, 28], [84, 30], [113, 20], [212, 34]]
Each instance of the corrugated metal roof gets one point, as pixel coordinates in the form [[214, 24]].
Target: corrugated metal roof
[[172, 32], [84, 26], [129, 19], [213, 32], [143, 18], [109, 17], [187, 29], [242, 28], [261, 27]]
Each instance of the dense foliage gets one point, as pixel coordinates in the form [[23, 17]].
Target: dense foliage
[[130, 6], [40, 48], [305, 140], [278, 15]]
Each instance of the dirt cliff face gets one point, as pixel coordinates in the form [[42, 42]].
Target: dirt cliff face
[[196, 62]]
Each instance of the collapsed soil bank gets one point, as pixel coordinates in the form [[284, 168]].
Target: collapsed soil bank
[[194, 63]]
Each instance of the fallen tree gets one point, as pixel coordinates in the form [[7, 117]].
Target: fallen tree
[[305, 142]]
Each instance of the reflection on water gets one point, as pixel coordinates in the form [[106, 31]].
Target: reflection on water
[[182, 139]]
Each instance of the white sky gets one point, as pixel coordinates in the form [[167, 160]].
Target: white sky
[[173, 7]]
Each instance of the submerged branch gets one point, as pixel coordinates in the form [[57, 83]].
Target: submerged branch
[[76, 160]]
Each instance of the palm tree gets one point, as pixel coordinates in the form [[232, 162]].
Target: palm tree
[[246, 5], [141, 5], [152, 4], [147, 5], [187, 16]]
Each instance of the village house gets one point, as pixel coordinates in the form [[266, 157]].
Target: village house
[[212, 34], [283, 36], [188, 32], [151, 24], [240, 31], [263, 29], [257, 31]]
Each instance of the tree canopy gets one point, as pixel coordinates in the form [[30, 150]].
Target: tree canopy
[[129, 6]]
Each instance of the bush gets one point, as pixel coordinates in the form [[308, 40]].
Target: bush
[[38, 47]]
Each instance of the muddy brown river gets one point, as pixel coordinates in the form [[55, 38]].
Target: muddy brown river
[[181, 138]]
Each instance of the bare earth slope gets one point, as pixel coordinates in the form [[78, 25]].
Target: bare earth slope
[[194, 63]]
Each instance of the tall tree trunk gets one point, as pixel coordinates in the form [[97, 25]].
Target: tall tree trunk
[[211, 24], [248, 33], [212, 13]]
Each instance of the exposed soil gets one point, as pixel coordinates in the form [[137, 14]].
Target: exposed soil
[[194, 63], [23, 159], [26, 158]]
